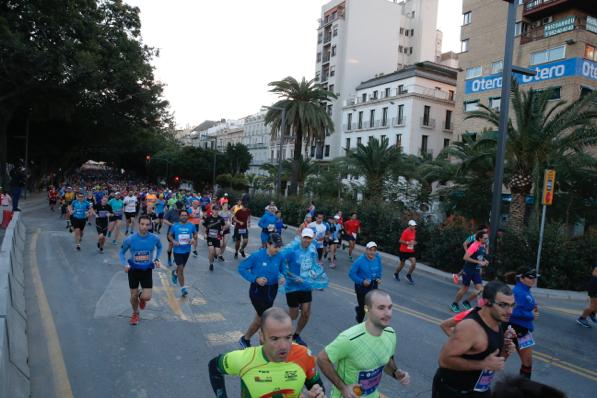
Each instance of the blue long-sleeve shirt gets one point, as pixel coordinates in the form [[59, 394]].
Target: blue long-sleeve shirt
[[523, 314], [261, 264], [299, 262], [267, 219], [141, 248], [363, 268]]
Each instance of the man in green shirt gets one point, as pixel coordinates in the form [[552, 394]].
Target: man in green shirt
[[362, 352]]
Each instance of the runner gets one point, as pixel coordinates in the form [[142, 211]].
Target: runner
[[592, 308], [237, 206], [279, 225], [181, 236], [467, 242], [277, 358], [366, 275], [130, 211], [139, 266], [265, 270], [524, 313], [333, 240], [160, 207], [352, 228], [52, 197], [195, 215], [214, 228], [308, 220], [301, 259], [242, 223], [170, 219], [320, 231], [224, 200], [117, 204], [268, 219], [227, 216], [102, 212], [407, 251], [79, 211], [476, 349], [474, 259], [91, 200], [362, 352], [69, 197]]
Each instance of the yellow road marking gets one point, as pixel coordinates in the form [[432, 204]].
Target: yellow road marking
[[586, 373], [172, 302], [562, 310], [61, 382]]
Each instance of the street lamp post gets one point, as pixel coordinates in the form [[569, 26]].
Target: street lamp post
[[282, 129]]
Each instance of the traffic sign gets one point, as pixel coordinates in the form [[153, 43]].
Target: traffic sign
[[549, 183]]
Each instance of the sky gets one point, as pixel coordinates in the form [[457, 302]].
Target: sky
[[217, 57]]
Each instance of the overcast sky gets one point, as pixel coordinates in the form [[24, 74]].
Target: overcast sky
[[217, 57]]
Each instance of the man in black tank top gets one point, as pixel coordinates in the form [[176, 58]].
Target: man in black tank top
[[477, 348]]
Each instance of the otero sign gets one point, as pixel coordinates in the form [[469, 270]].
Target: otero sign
[[557, 27], [554, 70]]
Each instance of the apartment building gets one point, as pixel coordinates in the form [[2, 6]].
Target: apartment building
[[357, 39], [257, 138], [556, 38], [220, 135], [413, 108]]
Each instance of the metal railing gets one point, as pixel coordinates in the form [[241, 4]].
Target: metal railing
[[448, 126], [398, 121], [428, 122]]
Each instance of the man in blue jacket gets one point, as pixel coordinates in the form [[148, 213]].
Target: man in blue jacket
[[139, 266], [366, 275], [267, 223], [264, 269]]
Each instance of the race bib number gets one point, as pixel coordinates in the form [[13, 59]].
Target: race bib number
[[242, 231], [118, 213], [526, 341], [369, 380], [103, 214], [354, 235], [141, 257], [212, 233], [411, 247], [184, 239], [484, 382]]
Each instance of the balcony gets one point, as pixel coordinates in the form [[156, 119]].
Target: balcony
[[331, 18], [327, 38], [535, 9], [398, 122], [427, 123], [448, 127], [562, 25], [348, 127], [326, 58], [425, 152], [369, 125]]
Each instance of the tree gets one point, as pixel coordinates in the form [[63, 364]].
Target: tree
[[307, 119], [374, 161], [238, 158], [305, 169], [544, 133]]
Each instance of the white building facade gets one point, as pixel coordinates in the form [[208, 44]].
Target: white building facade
[[358, 39], [413, 108], [257, 140]]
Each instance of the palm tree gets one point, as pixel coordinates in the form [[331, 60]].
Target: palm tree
[[543, 133], [374, 161], [305, 169], [307, 119]]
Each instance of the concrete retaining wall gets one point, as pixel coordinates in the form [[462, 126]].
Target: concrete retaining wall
[[14, 349]]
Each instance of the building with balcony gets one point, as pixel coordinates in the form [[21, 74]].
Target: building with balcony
[[219, 135], [256, 138], [357, 39], [413, 108], [556, 38]]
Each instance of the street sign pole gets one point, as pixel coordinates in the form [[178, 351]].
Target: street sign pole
[[549, 181]]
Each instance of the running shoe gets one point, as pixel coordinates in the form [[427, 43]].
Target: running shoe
[[195, 253], [70, 229], [114, 242], [583, 322], [410, 279], [174, 277], [242, 253], [79, 247], [455, 279], [333, 265], [169, 261], [221, 258], [466, 304], [101, 250], [350, 258], [141, 301], [211, 267], [134, 319], [397, 276], [235, 255], [455, 307], [243, 343], [184, 291], [109, 234], [593, 318], [98, 246], [297, 339]]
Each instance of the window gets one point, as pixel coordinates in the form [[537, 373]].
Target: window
[[401, 31], [400, 49], [372, 118], [407, 32], [470, 106], [383, 137], [349, 122], [398, 140], [348, 143], [319, 37], [446, 142], [426, 111], [400, 114], [272, 155], [518, 29], [331, 88], [424, 140], [401, 89], [369, 139], [335, 31], [497, 67], [364, 97], [333, 51], [448, 124], [466, 18], [327, 151], [312, 150], [554, 92], [359, 141], [384, 117], [360, 122], [317, 76], [585, 90], [548, 55], [494, 103], [412, 32], [411, 50], [329, 109], [375, 94], [464, 46], [473, 72], [451, 95], [590, 52], [387, 92], [332, 71], [319, 57]]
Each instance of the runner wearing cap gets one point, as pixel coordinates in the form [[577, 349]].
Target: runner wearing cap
[[352, 227], [366, 275], [407, 251], [265, 271]]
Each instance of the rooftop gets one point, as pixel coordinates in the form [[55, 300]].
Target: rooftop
[[426, 69]]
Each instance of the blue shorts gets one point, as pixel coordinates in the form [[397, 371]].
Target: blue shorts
[[264, 237], [471, 274]]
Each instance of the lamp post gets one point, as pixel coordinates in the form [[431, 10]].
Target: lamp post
[[282, 128]]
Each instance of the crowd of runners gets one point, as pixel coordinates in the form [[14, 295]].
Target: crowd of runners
[[494, 321]]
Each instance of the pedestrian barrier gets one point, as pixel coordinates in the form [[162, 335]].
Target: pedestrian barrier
[[14, 349]]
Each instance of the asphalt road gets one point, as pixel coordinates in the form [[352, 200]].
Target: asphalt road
[[81, 343]]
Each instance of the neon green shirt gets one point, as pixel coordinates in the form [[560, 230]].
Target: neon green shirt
[[360, 357]]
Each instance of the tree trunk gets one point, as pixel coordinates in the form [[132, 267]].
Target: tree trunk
[[298, 143], [6, 113], [517, 211]]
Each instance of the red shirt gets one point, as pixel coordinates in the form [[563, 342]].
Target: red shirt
[[242, 215], [352, 226], [407, 236]]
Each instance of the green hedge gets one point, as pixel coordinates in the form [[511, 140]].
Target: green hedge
[[565, 262]]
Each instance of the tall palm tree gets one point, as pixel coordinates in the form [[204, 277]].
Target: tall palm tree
[[544, 132], [374, 161], [305, 169], [307, 119]]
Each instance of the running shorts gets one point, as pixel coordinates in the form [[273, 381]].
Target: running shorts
[[78, 223], [160, 216], [240, 233], [213, 242], [592, 290], [101, 228], [115, 217], [181, 259], [294, 299], [348, 237], [130, 214], [471, 274], [406, 255], [141, 277], [262, 297]]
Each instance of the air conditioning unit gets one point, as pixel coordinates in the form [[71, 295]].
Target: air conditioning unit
[[547, 20]]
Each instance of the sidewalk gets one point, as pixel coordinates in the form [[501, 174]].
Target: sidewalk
[[393, 260]]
